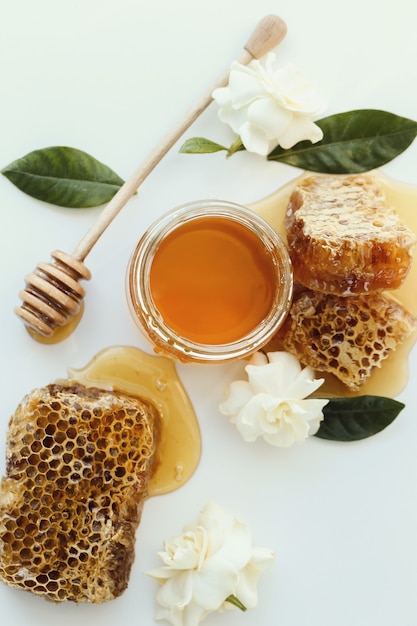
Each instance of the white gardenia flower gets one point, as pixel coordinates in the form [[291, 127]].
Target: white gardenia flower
[[271, 403], [213, 559], [268, 107]]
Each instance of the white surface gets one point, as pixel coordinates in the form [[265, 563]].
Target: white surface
[[111, 77]]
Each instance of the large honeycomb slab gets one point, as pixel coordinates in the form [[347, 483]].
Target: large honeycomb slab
[[78, 466]]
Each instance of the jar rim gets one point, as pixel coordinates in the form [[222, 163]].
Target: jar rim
[[149, 318]]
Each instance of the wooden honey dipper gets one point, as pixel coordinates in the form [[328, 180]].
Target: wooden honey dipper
[[53, 294]]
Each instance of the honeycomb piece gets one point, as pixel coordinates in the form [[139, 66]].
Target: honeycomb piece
[[344, 239], [344, 336], [78, 465]]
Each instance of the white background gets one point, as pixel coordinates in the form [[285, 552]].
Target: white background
[[111, 77]]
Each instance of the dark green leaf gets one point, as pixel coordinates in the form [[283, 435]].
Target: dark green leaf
[[200, 145], [64, 176], [355, 141], [351, 419]]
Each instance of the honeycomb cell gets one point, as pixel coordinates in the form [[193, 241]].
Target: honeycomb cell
[[36, 446], [60, 436], [43, 467], [71, 433]]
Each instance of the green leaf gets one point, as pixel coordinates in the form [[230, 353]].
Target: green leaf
[[64, 176], [355, 141], [351, 419], [200, 145]]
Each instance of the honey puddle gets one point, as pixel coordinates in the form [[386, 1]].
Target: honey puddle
[[155, 378], [392, 377]]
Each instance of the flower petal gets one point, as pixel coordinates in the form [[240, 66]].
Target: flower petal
[[172, 614], [236, 118], [302, 129], [296, 92], [194, 614], [249, 419], [161, 574], [236, 548], [289, 366], [229, 539], [314, 413], [214, 584], [274, 377], [254, 139], [222, 96], [304, 384], [265, 113], [176, 591], [239, 394], [247, 588], [258, 358]]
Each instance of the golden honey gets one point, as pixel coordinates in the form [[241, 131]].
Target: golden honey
[[209, 282]]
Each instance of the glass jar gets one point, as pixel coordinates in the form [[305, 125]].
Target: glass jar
[[209, 282]]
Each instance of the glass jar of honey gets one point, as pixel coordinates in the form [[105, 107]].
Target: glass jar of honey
[[210, 281]]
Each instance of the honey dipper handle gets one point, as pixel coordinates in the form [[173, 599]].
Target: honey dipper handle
[[267, 35]]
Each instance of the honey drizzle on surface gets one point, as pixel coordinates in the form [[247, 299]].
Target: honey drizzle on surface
[[129, 370], [392, 377]]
